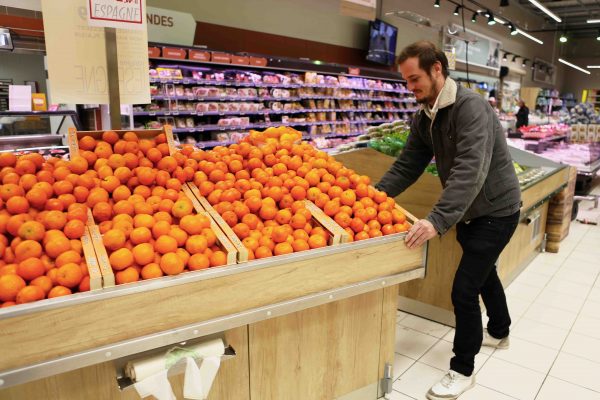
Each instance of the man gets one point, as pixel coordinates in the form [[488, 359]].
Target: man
[[481, 196], [522, 115]]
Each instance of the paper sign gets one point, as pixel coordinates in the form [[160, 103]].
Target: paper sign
[[19, 98], [124, 14], [77, 57]]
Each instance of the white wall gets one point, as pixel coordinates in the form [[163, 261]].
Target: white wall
[[23, 67], [575, 81], [317, 20], [35, 5]]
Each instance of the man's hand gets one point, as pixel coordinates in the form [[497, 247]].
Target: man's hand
[[420, 232]]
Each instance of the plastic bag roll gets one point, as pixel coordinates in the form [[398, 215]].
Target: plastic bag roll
[[140, 369]]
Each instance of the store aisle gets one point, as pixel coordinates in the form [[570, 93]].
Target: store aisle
[[555, 336]]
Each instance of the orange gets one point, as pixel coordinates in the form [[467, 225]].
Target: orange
[[300, 245], [193, 224], [121, 259], [171, 264], [357, 224], [69, 275], [180, 235], [25, 167], [8, 159], [151, 270], [316, 241], [32, 230], [241, 230], [251, 220], [74, 229], [374, 224], [165, 244], [58, 291], [17, 205], [375, 233], [125, 226], [27, 249], [10, 190], [283, 248], [379, 197], [143, 220], [123, 207], [31, 268], [388, 229], [87, 143], [67, 257], [218, 258], [198, 261], [37, 197], [343, 219], [110, 137], [384, 217], [398, 216], [183, 254], [143, 254], [114, 239], [30, 294], [10, 285], [160, 228], [128, 275], [263, 252], [267, 212], [140, 235], [44, 282], [230, 218], [250, 243], [196, 244]]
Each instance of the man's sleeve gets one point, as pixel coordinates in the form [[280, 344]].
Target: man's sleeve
[[407, 168], [474, 143]]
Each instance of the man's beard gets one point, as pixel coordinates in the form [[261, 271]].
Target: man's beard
[[431, 97]]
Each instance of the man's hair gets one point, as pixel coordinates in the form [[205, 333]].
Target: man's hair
[[427, 54]]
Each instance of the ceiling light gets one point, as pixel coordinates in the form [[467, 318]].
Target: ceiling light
[[503, 3], [457, 10], [593, 21], [598, 37], [515, 58], [491, 20], [574, 66], [474, 17], [504, 58], [563, 38], [500, 21], [527, 35], [513, 30], [544, 9], [524, 63], [437, 3], [593, 66], [533, 65]]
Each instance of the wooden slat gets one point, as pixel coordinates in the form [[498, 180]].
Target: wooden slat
[[108, 276], [539, 191], [338, 234], [321, 353], [388, 330], [91, 261], [84, 326]]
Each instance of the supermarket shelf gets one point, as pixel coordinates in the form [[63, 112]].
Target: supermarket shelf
[[191, 81], [263, 112], [209, 128], [270, 98]]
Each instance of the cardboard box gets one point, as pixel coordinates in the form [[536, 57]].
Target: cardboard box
[[199, 55], [258, 61], [172, 52], [223, 58], [153, 51], [240, 60]]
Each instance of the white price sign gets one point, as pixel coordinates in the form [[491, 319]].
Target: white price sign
[[123, 14]]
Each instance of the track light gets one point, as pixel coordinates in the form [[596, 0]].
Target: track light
[[505, 58], [474, 17], [514, 58], [532, 65], [457, 10], [545, 10], [524, 63], [491, 20], [513, 30], [563, 38], [598, 37], [437, 3], [503, 3]]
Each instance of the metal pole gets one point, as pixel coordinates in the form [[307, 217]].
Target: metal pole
[[112, 72]]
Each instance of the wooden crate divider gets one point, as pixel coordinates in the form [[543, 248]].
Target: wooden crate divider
[[108, 276], [222, 239], [338, 234], [91, 260], [73, 137]]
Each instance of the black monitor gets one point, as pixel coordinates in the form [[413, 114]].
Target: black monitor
[[382, 42]]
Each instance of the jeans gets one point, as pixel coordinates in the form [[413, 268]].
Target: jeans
[[482, 240]]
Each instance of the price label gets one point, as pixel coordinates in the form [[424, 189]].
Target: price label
[[152, 113]]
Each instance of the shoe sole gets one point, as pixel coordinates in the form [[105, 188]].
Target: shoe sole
[[432, 396], [502, 345]]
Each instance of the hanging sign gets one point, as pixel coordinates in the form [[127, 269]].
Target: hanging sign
[[167, 26], [77, 57], [365, 9], [484, 52], [124, 14]]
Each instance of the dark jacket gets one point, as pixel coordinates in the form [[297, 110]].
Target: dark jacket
[[472, 159], [522, 117]]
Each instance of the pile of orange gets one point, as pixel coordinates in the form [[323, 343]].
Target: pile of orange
[[42, 218], [258, 186], [149, 226]]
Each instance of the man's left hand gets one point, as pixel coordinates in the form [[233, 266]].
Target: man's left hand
[[420, 232]]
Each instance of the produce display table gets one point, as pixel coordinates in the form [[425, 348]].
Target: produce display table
[[430, 297], [312, 325]]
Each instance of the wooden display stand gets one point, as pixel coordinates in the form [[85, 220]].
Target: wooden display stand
[[430, 297], [318, 324]]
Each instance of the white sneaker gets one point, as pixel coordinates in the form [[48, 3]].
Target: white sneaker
[[452, 385], [491, 341]]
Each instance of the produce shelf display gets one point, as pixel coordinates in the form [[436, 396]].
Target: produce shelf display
[[207, 102], [129, 206]]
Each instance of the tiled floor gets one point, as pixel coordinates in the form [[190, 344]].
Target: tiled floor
[[555, 336]]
